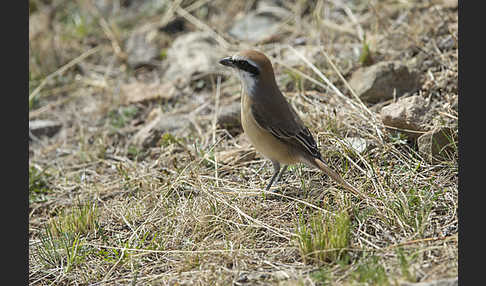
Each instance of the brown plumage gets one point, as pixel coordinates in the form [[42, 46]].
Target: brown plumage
[[271, 124]]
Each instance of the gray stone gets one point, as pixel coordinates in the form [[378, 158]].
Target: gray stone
[[255, 27], [47, 128], [408, 115], [252, 277], [243, 278], [192, 53], [149, 135], [280, 275], [357, 143], [436, 144], [142, 48], [378, 82]]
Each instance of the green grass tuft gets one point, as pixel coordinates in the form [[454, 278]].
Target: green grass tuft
[[60, 251], [371, 271], [324, 238], [80, 220], [38, 185]]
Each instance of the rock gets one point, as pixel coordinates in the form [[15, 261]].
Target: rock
[[280, 275], [229, 118], [192, 53], [243, 278], [140, 92], [377, 82], [436, 144], [408, 115], [255, 27], [442, 282], [142, 48], [446, 43], [40, 128], [256, 276], [153, 130], [252, 278], [357, 143]]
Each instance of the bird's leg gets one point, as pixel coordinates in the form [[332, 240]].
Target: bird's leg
[[276, 169], [284, 168]]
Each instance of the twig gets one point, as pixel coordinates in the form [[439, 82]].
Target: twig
[[323, 77], [254, 220], [353, 19], [336, 90], [420, 241], [198, 23], [115, 265], [176, 251], [215, 119], [63, 69], [114, 41]]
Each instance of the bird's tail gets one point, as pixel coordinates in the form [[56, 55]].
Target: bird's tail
[[335, 176]]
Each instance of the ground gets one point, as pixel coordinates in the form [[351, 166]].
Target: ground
[[111, 201]]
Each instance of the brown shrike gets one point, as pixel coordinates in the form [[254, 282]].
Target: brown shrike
[[271, 124]]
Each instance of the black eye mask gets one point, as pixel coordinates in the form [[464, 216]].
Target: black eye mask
[[246, 66], [240, 64]]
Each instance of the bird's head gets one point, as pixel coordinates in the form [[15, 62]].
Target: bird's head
[[254, 68]]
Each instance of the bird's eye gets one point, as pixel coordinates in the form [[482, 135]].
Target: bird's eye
[[246, 66]]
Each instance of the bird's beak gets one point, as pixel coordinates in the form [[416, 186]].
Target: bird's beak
[[228, 61]]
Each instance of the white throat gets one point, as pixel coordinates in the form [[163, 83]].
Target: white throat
[[248, 82]]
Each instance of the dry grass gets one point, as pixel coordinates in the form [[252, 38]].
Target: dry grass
[[191, 210]]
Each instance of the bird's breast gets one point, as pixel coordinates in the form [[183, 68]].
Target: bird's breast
[[263, 141]]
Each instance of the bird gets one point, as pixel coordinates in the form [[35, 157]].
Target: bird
[[271, 124]]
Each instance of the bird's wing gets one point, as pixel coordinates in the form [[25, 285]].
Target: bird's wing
[[284, 123]]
